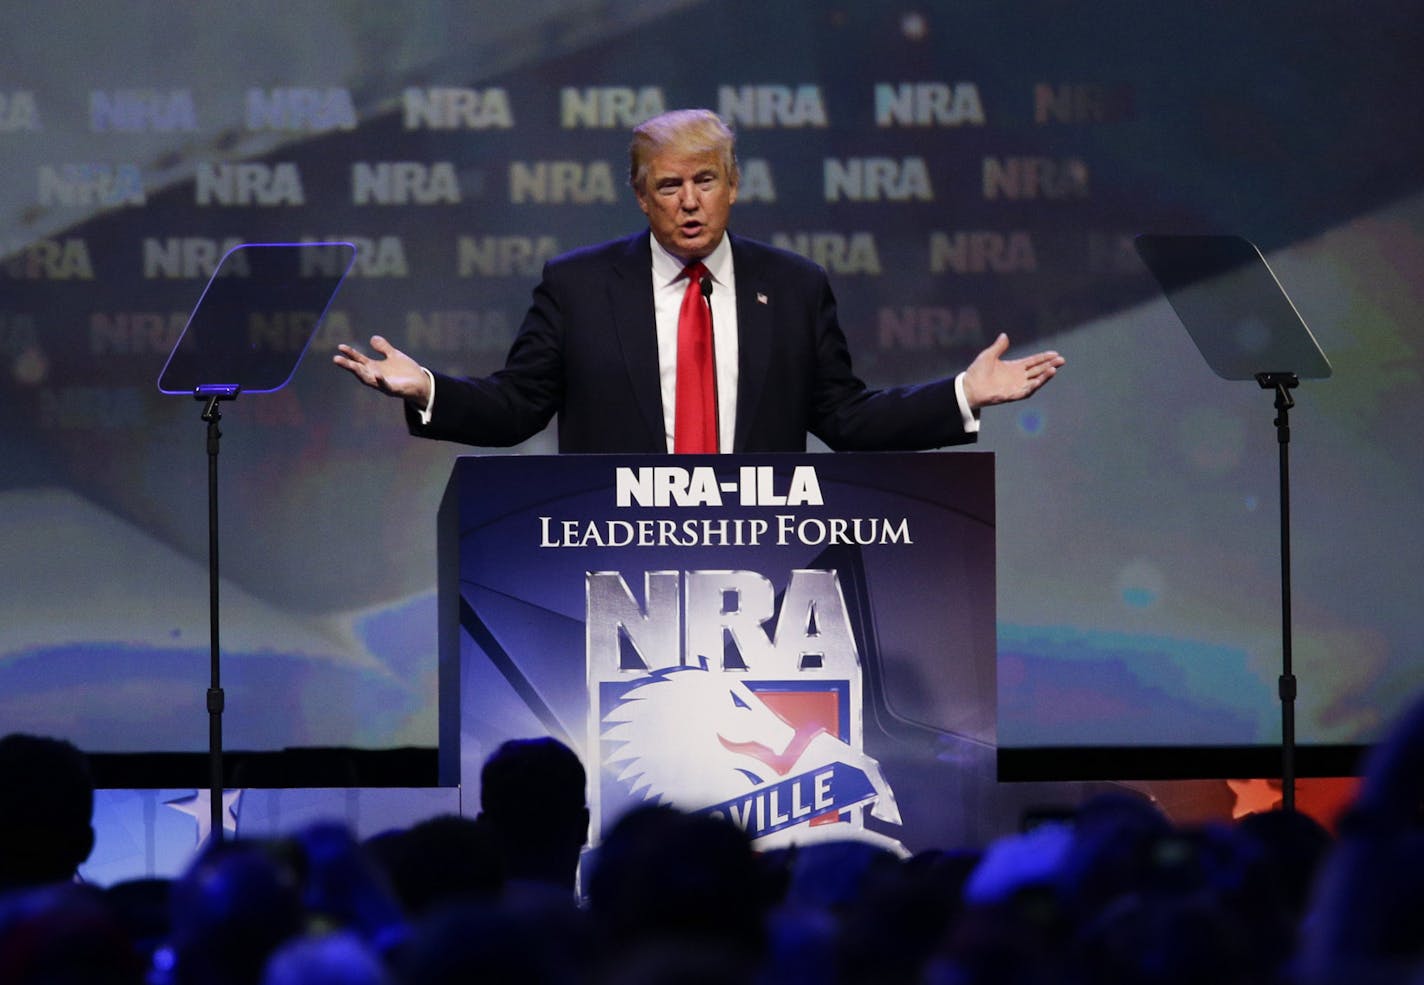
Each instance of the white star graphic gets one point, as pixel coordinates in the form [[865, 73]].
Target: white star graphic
[[198, 806]]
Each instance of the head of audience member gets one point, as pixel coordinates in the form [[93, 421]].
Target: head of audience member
[[1165, 938], [1012, 924], [235, 905], [46, 808], [440, 860], [836, 875], [901, 916], [337, 958], [533, 801], [682, 165], [1114, 838], [665, 876], [1366, 914], [343, 888], [498, 940], [64, 934], [1279, 855], [142, 908]]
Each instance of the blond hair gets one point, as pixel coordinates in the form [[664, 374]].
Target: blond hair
[[687, 131]]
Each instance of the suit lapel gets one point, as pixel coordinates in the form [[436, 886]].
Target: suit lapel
[[754, 334], [630, 293]]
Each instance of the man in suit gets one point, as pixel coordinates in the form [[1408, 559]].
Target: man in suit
[[599, 346]]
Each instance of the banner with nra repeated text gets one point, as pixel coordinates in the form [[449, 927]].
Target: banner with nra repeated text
[[958, 167], [793, 642]]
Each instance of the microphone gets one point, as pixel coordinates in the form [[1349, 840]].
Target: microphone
[[706, 287]]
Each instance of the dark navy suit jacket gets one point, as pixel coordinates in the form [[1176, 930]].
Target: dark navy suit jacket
[[587, 352]]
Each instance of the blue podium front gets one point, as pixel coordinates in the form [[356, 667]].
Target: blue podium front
[[803, 644]]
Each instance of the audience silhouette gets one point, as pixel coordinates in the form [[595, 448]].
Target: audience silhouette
[[234, 907], [1112, 894], [533, 803], [46, 803], [666, 877], [438, 861]]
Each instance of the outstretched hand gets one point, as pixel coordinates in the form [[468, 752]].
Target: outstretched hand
[[394, 373], [992, 379]]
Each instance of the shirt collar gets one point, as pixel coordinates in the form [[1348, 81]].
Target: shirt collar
[[668, 268]]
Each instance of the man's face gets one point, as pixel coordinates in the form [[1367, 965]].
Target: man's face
[[687, 199]]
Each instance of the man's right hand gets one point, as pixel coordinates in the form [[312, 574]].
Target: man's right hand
[[394, 373]]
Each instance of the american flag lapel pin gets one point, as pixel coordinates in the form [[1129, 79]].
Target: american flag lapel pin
[[761, 298]]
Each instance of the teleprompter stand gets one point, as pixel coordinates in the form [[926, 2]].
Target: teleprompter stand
[[1246, 328], [247, 334]]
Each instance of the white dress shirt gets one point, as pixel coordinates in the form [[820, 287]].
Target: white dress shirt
[[668, 288]]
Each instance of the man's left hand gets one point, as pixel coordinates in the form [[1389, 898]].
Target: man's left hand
[[992, 379]]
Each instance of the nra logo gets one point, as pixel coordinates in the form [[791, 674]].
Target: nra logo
[[190, 257], [404, 183], [454, 108], [459, 330], [609, 107], [721, 695], [558, 182], [298, 108], [1021, 179], [840, 253], [930, 328], [928, 104], [142, 111], [503, 256], [376, 256], [755, 485], [983, 251], [873, 179], [248, 184], [292, 331], [47, 259], [685, 617], [772, 106], [131, 333], [89, 184], [1078, 103]]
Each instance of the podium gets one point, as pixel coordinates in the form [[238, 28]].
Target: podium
[[802, 643]]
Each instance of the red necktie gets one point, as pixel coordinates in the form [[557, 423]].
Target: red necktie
[[695, 418]]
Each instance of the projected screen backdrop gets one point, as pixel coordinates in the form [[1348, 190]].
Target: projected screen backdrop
[[960, 169]]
